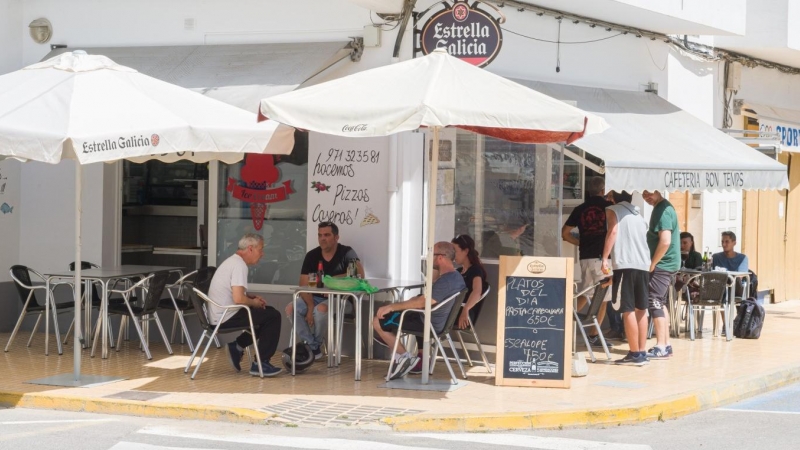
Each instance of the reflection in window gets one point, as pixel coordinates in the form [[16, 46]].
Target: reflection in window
[[266, 194], [500, 201]]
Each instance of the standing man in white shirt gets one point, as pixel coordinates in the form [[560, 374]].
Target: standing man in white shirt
[[229, 287]]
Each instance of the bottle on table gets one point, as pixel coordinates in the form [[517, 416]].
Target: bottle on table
[[320, 274], [705, 260]]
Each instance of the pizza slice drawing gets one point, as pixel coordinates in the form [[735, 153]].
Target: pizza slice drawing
[[370, 219]]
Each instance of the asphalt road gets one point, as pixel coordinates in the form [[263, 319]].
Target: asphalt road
[[770, 421]]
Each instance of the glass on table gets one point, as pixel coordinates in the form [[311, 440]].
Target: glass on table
[[312, 280]]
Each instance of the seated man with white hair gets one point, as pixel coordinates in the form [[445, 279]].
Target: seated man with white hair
[[229, 287]]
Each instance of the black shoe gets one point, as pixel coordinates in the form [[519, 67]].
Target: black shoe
[[401, 367], [235, 356], [268, 369], [317, 353], [632, 359], [657, 353]]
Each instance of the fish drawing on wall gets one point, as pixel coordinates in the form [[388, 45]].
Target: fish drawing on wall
[[5, 208]]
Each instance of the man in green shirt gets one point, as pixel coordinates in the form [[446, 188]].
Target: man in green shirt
[[664, 241]]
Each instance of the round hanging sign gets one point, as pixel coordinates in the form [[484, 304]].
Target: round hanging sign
[[466, 32]]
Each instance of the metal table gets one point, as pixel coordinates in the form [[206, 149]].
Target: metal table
[[396, 288], [104, 276], [733, 280]]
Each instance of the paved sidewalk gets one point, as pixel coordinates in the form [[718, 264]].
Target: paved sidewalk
[[706, 373]]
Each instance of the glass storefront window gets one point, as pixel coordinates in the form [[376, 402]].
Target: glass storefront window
[[504, 196], [276, 189]]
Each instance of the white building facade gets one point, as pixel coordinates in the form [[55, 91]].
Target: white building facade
[[506, 196]]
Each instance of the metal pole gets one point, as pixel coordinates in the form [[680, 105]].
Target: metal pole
[[78, 329], [426, 329], [560, 194]]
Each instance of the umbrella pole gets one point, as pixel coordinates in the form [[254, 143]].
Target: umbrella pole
[[78, 329], [432, 181]]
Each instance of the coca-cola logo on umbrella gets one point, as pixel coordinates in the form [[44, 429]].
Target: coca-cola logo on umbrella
[[466, 32]]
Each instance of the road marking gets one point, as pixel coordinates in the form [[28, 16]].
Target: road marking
[[280, 441], [28, 422], [523, 440], [762, 411], [140, 446]]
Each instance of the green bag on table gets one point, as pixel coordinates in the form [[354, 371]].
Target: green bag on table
[[348, 284]]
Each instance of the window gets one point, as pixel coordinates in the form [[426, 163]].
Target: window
[[732, 208], [723, 211], [253, 197], [499, 199]]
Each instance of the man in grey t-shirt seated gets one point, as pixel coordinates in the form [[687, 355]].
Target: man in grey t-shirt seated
[[387, 319]]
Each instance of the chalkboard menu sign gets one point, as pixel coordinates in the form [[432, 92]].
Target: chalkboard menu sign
[[534, 322]]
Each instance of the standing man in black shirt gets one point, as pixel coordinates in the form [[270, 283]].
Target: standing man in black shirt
[[590, 219], [314, 309]]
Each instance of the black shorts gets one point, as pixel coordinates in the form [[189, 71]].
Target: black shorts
[[630, 290], [412, 322]]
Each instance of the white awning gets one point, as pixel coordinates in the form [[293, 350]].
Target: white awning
[[240, 75], [784, 122], [654, 145]]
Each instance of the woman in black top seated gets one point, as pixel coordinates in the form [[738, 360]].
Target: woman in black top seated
[[691, 258], [474, 277]]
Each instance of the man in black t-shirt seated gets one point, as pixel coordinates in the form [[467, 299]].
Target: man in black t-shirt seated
[[314, 309]]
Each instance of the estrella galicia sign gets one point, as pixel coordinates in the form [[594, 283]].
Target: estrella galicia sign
[[465, 31]]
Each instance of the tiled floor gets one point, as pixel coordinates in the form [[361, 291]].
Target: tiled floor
[[699, 364]]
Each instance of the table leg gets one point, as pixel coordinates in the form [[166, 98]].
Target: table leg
[[339, 327], [371, 335], [104, 318], [358, 335], [294, 331], [87, 316], [331, 346], [47, 299]]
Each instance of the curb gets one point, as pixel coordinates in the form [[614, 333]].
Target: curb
[[134, 408], [670, 408]]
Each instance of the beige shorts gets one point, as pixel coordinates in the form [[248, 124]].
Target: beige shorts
[[591, 274]]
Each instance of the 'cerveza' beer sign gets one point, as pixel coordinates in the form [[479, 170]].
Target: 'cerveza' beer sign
[[465, 31]]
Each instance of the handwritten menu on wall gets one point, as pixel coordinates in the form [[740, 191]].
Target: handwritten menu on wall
[[534, 322], [348, 185]]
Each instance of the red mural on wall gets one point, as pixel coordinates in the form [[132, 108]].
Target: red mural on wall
[[262, 186]]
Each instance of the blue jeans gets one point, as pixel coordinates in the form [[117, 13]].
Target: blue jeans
[[313, 337]]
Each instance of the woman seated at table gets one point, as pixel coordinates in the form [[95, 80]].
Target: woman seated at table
[[690, 257], [474, 277]]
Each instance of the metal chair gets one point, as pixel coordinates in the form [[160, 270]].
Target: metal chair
[[589, 318], [94, 302], [445, 333], [712, 297], [474, 334], [30, 304], [153, 286], [210, 331], [180, 306]]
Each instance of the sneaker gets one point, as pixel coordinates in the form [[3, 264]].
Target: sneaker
[[657, 353], [632, 359], [594, 341], [235, 356], [317, 353], [401, 367], [415, 361], [268, 369], [417, 368]]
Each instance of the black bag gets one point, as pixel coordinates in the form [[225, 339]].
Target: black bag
[[749, 319]]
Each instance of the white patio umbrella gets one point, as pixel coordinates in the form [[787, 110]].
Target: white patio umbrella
[[434, 91], [90, 109]]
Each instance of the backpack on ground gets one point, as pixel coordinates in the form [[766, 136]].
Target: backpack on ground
[[749, 319]]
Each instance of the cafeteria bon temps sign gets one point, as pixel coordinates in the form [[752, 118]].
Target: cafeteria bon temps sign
[[465, 31]]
